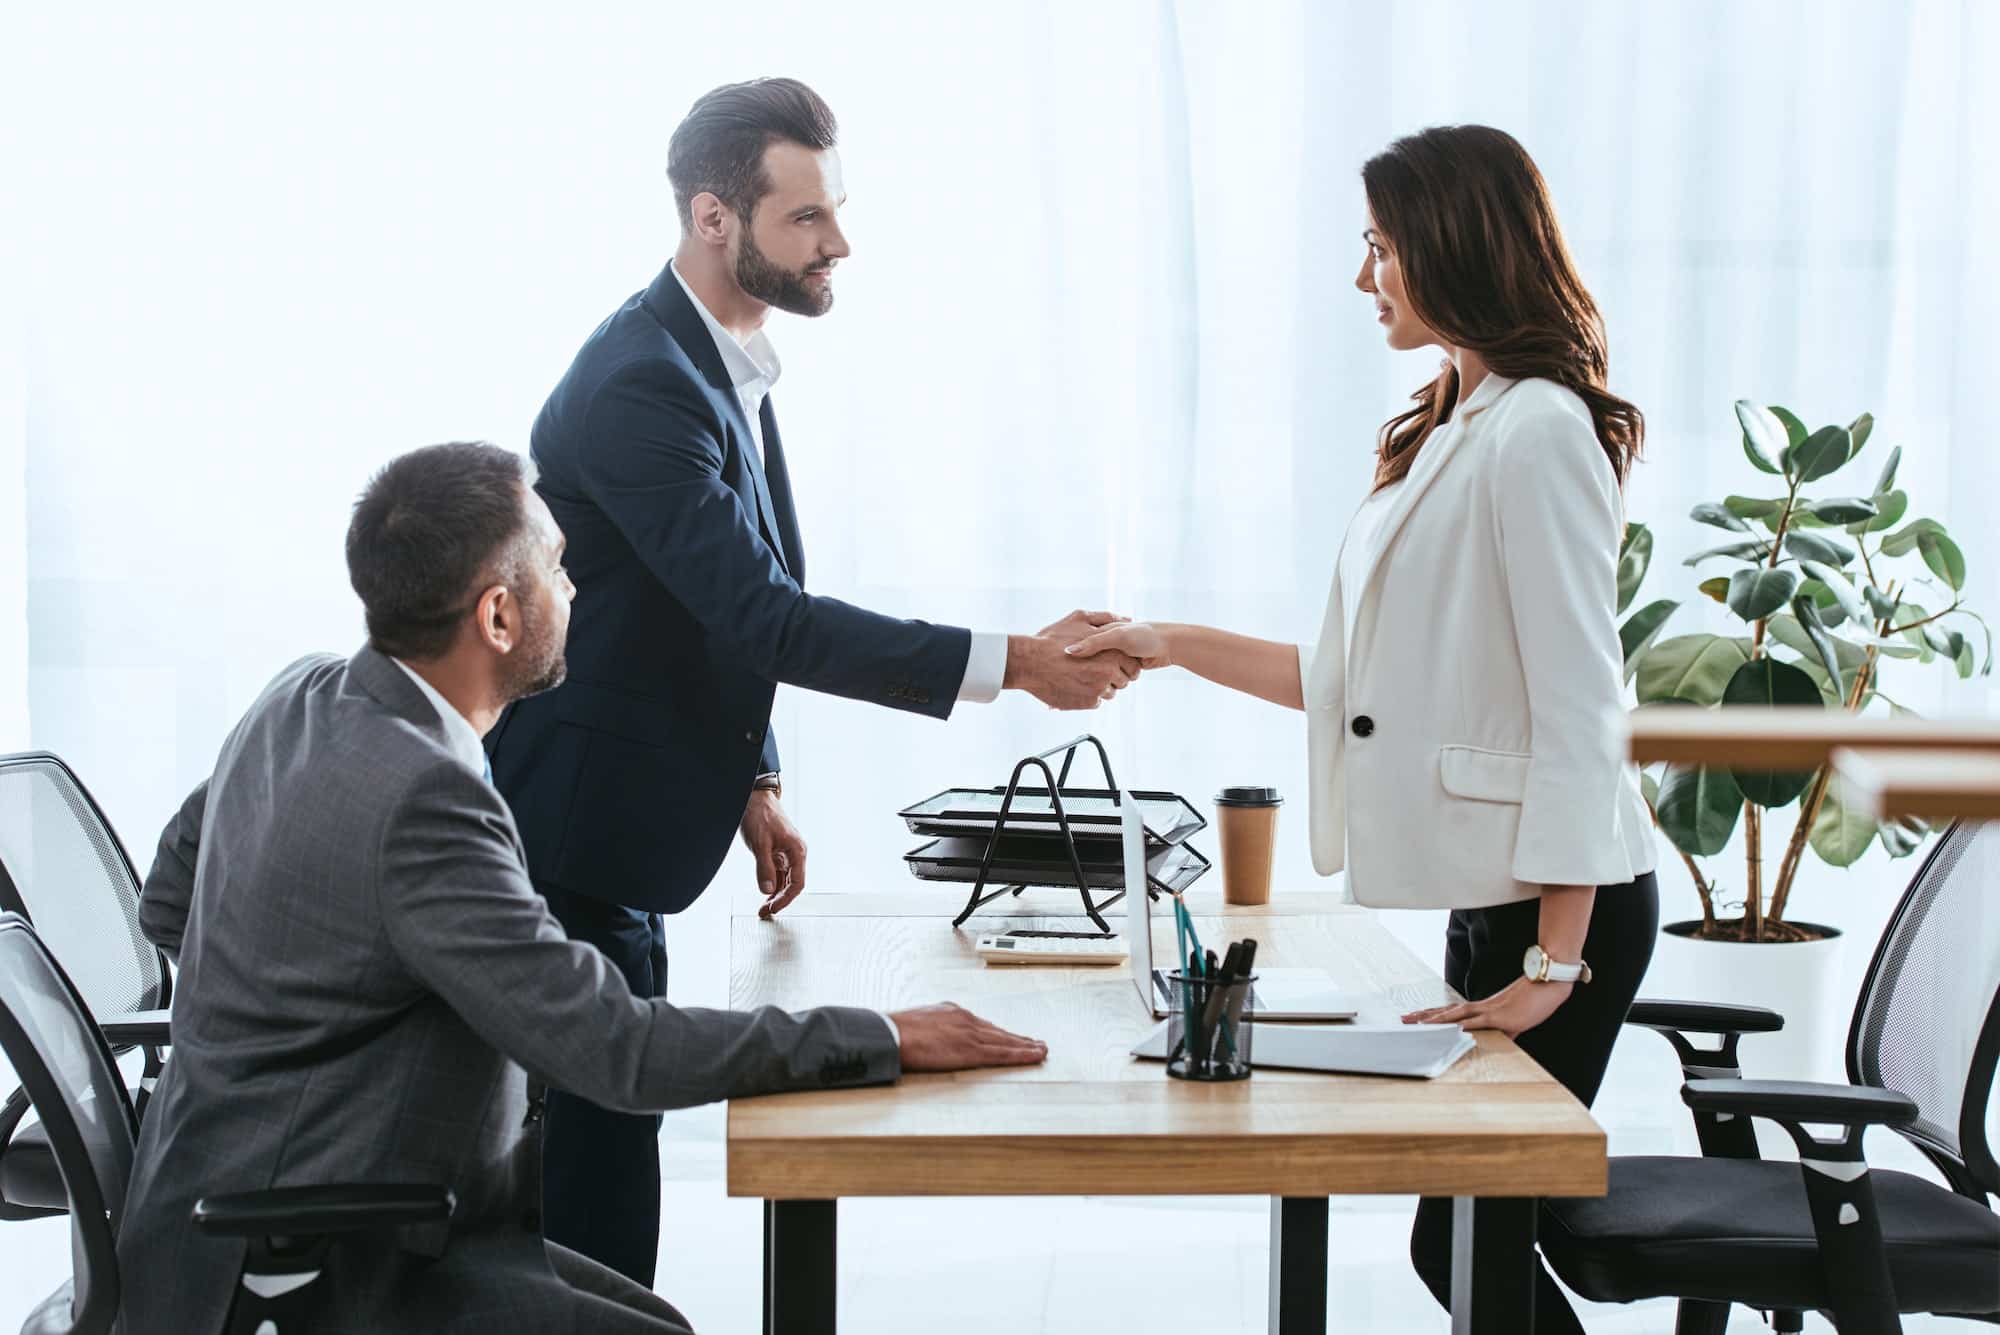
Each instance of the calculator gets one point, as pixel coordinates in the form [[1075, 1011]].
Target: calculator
[[1052, 948]]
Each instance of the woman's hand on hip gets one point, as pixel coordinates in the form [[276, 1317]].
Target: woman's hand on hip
[[1138, 639], [1513, 1010]]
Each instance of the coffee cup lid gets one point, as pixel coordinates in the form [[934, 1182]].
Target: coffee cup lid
[[1248, 797]]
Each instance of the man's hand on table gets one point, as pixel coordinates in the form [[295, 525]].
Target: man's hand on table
[[1040, 665], [945, 1037], [779, 848]]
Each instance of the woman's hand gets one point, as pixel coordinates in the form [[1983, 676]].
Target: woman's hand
[[1513, 1010], [1139, 639]]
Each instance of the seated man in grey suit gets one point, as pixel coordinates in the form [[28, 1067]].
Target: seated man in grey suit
[[365, 968]]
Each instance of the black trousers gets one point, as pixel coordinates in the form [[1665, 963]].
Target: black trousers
[[601, 1169], [1482, 954]]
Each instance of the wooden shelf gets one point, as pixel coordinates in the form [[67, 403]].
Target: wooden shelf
[[1792, 738]]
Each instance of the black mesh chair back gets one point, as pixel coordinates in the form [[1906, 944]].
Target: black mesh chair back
[[62, 869], [1927, 1022], [61, 1059]]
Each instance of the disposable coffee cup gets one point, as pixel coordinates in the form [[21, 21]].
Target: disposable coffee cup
[[1247, 821]]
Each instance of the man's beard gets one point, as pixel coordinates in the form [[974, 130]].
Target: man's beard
[[539, 666], [758, 276]]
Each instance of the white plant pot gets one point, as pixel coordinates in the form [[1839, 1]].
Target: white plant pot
[[1801, 980]]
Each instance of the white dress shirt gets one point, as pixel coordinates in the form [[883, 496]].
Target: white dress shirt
[[754, 368], [458, 731]]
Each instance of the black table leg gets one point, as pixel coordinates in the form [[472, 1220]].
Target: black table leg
[[1298, 1265], [1492, 1264], [799, 1267]]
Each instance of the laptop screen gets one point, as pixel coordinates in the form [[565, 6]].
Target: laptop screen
[[1138, 905]]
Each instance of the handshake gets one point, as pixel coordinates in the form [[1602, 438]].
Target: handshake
[[1082, 660]]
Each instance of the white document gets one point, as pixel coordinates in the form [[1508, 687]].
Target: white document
[[1422, 1051]]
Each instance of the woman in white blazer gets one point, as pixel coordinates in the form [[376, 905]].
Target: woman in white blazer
[[1464, 699]]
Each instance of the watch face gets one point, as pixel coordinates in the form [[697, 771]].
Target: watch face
[[1531, 962]]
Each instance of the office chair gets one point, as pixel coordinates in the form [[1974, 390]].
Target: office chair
[[63, 869], [64, 1063], [1827, 1233]]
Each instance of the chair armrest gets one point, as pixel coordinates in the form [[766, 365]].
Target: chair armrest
[[134, 1028], [342, 1208], [1722, 1136], [1795, 1101], [1703, 1017]]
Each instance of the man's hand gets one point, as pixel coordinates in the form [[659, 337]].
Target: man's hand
[[1513, 1010], [949, 1038], [779, 848], [1039, 665]]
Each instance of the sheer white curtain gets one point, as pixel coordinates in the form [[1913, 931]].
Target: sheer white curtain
[[1097, 344]]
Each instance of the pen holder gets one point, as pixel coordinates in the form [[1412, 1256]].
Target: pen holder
[[1209, 1029]]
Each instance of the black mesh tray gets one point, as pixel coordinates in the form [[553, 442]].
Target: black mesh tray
[[1035, 861], [1093, 814]]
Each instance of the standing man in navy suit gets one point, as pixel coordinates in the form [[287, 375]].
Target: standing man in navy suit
[[659, 457]]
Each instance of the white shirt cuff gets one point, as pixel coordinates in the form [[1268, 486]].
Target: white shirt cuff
[[1305, 675], [985, 669], [895, 1034]]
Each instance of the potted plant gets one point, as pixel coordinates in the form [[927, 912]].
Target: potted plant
[[1824, 588]]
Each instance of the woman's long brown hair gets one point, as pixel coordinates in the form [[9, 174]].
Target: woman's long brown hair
[[1484, 266]]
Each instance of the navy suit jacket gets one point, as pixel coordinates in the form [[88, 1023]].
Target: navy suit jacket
[[629, 780]]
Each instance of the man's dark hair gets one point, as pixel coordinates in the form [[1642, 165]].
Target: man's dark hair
[[432, 528], [720, 147]]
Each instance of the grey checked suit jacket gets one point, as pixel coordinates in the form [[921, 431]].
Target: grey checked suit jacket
[[364, 973]]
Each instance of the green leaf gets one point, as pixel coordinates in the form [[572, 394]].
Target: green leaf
[[1818, 547], [1650, 788], [1708, 512], [1836, 583], [1764, 682], [1898, 839], [1986, 667], [1819, 454], [1831, 613], [1755, 549], [1764, 437], [1749, 507], [1904, 539], [1756, 593], [1822, 643], [1842, 509], [1840, 834], [1941, 554], [1939, 639], [1830, 693], [1717, 588], [1641, 628], [1962, 660], [1697, 809], [1694, 668], [1859, 430], [1795, 430], [1892, 504], [1888, 478], [1905, 625], [1635, 557], [1786, 629], [1880, 603]]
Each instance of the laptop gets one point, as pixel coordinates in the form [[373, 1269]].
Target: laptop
[[1278, 994]]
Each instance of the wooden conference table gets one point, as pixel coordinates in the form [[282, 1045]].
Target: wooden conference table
[[1495, 1132]]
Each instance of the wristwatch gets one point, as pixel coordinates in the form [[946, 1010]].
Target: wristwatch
[[770, 783], [1539, 968]]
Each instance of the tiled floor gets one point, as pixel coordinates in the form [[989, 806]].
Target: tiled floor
[[915, 1267]]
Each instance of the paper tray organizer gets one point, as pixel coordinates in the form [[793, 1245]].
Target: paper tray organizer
[[1055, 835]]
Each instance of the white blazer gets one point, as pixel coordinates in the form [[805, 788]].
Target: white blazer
[[1466, 749]]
